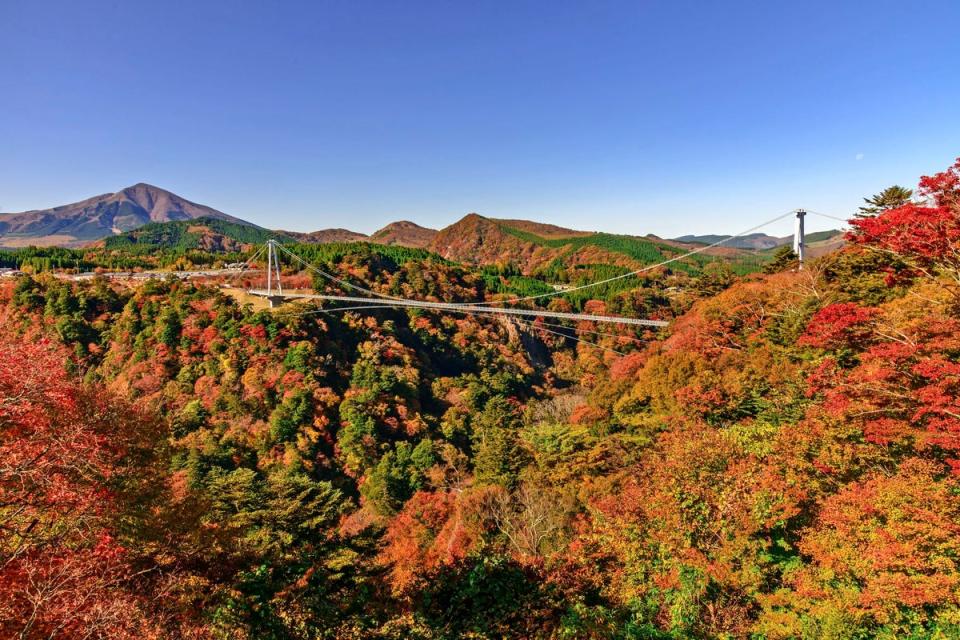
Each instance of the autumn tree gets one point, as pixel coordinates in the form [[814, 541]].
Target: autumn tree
[[884, 555], [925, 236], [71, 460]]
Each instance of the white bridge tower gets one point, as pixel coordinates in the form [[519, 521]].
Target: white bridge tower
[[799, 242]]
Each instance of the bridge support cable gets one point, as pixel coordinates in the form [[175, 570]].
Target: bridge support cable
[[330, 276], [248, 263], [275, 248], [827, 215], [256, 254]]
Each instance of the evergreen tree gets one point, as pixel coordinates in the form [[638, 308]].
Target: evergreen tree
[[889, 198], [498, 456], [783, 259]]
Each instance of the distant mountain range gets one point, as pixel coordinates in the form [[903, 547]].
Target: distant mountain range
[[148, 216], [403, 233], [757, 241], [117, 214]]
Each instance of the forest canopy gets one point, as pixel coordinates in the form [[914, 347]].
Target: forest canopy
[[783, 461]]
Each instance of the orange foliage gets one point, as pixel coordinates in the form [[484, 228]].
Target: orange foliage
[[433, 530], [890, 541]]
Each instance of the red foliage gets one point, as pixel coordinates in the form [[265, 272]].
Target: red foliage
[[255, 332], [926, 234], [411, 550], [900, 392], [700, 401], [595, 307], [627, 367], [65, 593], [61, 444], [433, 530], [840, 325], [585, 414], [927, 237], [943, 187]]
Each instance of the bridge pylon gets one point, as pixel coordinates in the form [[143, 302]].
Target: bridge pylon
[[273, 266], [799, 242]]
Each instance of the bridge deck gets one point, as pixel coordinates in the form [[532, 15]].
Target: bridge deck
[[446, 306]]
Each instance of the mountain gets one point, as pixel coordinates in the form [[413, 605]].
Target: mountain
[[752, 241], [819, 236], [823, 242], [405, 234], [535, 247], [757, 241], [144, 216], [101, 216], [222, 236], [547, 231], [325, 236], [476, 239]]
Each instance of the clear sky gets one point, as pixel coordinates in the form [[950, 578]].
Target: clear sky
[[632, 117]]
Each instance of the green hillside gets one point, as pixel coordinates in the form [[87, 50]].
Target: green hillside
[[819, 236], [182, 234], [642, 250]]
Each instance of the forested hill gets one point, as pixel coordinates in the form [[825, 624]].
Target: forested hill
[[207, 234], [537, 249], [782, 462]]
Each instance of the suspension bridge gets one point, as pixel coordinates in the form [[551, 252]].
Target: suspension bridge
[[275, 294], [276, 297]]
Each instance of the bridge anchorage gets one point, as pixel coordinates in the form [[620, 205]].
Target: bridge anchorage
[[275, 294]]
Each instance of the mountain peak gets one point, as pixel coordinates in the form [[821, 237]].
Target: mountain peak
[[405, 234], [102, 216], [145, 185]]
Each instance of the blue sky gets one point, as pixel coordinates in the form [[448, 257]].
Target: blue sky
[[631, 117]]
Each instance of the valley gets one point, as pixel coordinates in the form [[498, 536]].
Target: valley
[[342, 466]]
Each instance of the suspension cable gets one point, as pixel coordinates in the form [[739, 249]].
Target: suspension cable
[[588, 285], [638, 271], [329, 276], [827, 215]]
